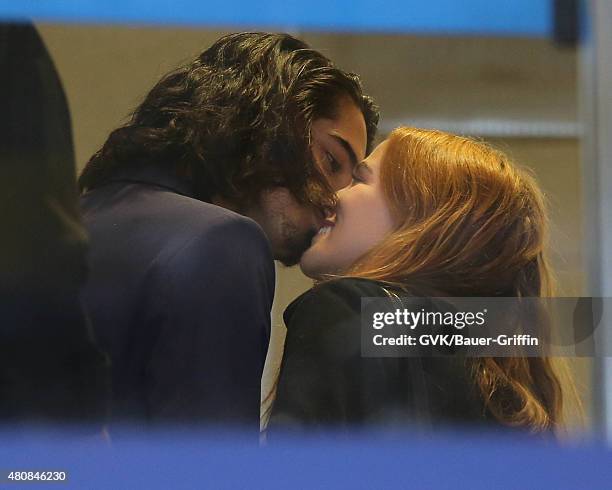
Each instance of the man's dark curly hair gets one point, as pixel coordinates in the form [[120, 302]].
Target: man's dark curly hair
[[237, 119]]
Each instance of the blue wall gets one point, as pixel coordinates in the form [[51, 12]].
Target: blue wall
[[507, 17]]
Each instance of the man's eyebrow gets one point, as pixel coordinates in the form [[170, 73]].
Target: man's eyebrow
[[347, 147]]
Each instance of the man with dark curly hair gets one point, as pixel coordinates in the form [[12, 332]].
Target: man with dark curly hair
[[230, 161]]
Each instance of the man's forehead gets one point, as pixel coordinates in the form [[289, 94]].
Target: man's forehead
[[347, 128]]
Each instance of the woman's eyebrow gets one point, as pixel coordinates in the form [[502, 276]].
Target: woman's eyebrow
[[364, 165]]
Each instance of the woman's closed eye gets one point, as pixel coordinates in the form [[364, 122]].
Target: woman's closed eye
[[360, 173]]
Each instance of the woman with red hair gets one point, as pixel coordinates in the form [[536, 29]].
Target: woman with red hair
[[428, 214]]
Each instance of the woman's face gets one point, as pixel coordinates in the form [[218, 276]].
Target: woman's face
[[361, 221]]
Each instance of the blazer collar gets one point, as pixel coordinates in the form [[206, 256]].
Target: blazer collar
[[155, 175]]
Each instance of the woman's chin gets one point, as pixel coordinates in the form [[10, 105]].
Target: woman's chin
[[308, 269], [317, 266], [312, 264]]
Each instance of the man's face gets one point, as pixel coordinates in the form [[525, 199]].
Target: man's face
[[337, 146]]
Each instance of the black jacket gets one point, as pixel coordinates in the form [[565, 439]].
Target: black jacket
[[325, 382]]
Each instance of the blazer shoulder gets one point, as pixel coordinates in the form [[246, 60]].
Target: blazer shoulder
[[205, 214], [226, 240], [199, 228], [159, 207]]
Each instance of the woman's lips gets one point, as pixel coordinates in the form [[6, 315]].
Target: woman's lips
[[327, 225], [325, 228]]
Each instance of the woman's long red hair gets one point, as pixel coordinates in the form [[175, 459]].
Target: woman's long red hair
[[469, 223]]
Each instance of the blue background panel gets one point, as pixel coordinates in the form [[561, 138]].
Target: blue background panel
[[197, 460], [506, 18]]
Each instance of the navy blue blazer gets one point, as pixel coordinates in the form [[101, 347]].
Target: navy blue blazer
[[180, 293]]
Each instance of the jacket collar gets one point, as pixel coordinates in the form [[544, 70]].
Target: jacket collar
[[155, 175]]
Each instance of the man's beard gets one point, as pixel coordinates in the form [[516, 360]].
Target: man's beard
[[295, 243]]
